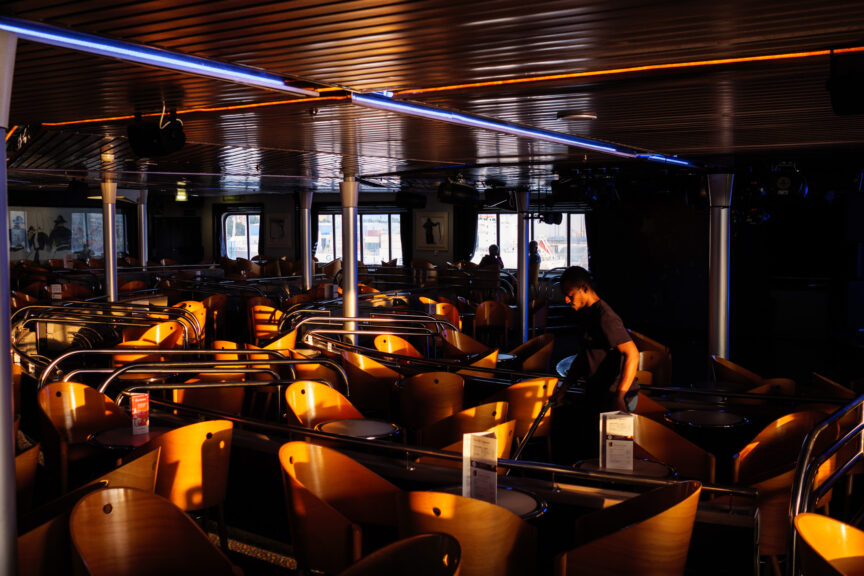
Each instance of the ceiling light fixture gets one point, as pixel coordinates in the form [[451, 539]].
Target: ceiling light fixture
[[475, 121], [148, 55], [181, 192]]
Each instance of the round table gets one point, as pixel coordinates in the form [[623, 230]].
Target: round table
[[641, 467], [366, 428], [123, 438], [523, 503]]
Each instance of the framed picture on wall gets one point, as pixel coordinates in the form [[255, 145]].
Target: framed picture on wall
[[431, 230], [278, 230]]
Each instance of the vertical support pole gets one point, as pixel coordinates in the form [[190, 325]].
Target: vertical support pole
[[109, 219], [306, 237], [523, 198], [350, 195], [143, 247], [720, 193], [8, 514]]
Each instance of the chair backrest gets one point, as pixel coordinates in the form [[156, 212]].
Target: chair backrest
[[422, 555], [726, 371], [312, 403], [659, 364], [644, 343], [494, 540], [429, 397], [193, 464], [329, 496], [828, 547], [489, 361], [646, 406], [264, 322], [393, 344], [371, 382], [25, 478], [535, 355], [138, 472], [460, 343], [450, 313], [77, 410], [126, 532], [476, 419], [197, 309], [492, 322], [133, 285], [525, 401], [647, 535], [669, 447]]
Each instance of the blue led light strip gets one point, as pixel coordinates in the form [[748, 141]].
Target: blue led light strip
[[148, 55], [382, 102]]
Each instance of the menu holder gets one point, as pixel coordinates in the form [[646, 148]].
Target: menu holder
[[140, 402], [480, 466], [616, 440]]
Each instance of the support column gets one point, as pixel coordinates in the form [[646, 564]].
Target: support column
[[8, 514], [523, 198], [143, 247], [306, 237], [720, 193], [109, 223], [349, 191]]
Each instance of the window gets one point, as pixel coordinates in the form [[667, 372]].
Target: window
[[241, 234], [559, 245], [379, 238]]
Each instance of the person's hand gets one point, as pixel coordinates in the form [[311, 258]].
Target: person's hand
[[621, 404]]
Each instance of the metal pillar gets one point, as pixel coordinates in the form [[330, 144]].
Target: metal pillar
[[143, 247], [306, 237], [720, 193], [109, 223], [349, 191], [523, 198], [8, 514]]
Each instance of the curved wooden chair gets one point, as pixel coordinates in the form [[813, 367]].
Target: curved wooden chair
[[458, 343], [449, 312], [138, 471], [669, 447], [73, 412], [372, 383], [492, 323], [214, 323], [525, 401], [426, 300], [196, 329], [423, 555], [25, 478], [644, 343], [647, 535], [535, 355], [504, 436], [489, 361], [128, 532], [828, 547], [20, 299], [132, 285], [312, 403], [658, 364], [647, 406], [477, 419], [228, 400], [264, 323], [74, 291], [331, 269], [330, 498], [193, 466], [726, 371], [494, 540], [392, 344], [429, 397], [164, 335]]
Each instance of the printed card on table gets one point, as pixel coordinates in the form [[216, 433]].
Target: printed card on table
[[616, 440], [480, 466]]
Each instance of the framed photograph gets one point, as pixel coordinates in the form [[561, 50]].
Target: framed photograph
[[278, 230], [431, 231]]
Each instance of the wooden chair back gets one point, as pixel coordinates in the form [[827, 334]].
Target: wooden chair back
[[669, 447], [828, 547], [422, 555], [477, 419], [504, 436], [450, 313], [392, 344], [227, 400], [197, 309], [644, 343], [138, 472], [490, 361], [458, 343], [215, 307], [25, 478], [525, 401], [312, 403], [647, 535], [658, 364], [128, 532], [193, 464], [329, 497], [371, 382], [429, 397], [535, 355], [726, 371], [133, 285], [492, 323], [494, 541], [646, 406], [264, 323]]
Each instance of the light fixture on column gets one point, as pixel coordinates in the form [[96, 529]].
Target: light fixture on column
[[181, 192]]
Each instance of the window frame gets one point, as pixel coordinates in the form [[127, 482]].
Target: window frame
[[245, 212], [360, 236]]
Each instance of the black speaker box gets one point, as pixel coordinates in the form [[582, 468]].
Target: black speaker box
[[147, 139]]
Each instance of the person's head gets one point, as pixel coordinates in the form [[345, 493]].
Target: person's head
[[493, 249], [532, 247], [575, 285]]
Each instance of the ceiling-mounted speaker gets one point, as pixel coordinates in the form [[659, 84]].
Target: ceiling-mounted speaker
[[409, 200], [846, 82], [150, 139], [458, 193]]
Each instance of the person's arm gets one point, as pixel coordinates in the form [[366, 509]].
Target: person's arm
[[631, 364]]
